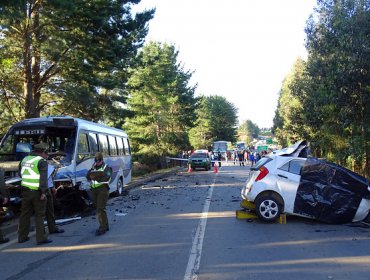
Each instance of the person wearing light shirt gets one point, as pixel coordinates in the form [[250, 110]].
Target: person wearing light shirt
[[50, 194]]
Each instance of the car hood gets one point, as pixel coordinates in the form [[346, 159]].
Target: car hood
[[299, 149]]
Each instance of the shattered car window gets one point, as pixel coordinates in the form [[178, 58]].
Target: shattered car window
[[20, 142], [293, 166], [199, 155]]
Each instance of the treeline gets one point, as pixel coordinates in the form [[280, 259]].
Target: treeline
[[88, 59], [326, 99], [67, 57], [166, 117]]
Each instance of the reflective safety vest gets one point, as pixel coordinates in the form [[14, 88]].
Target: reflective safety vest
[[96, 184], [30, 172]]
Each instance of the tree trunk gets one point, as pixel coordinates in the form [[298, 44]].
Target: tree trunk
[[27, 75], [36, 60], [31, 60]]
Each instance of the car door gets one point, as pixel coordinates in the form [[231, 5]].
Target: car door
[[288, 177]]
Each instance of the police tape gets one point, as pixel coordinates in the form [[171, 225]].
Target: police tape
[[179, 159], [187, 159]]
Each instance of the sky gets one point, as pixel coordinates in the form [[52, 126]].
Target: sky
[[239, 49]]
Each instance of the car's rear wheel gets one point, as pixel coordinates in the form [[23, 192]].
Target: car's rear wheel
[[268, 208]]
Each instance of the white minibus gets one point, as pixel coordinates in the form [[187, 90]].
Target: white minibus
[[72, 143]]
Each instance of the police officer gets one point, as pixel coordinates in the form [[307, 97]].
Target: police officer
[[34, 173], [5, 196], [100, 190]]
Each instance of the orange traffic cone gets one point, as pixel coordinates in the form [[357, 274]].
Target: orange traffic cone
[[189, 169], [215, 170]]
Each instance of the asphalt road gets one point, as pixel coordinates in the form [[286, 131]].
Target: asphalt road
[[184, 227]]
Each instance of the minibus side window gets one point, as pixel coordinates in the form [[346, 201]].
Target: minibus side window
[[121, 151], [93, 137], [103, 144], [112, 145], [127, 146], [83, 146]]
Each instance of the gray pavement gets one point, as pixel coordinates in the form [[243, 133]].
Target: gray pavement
[[10, 227]]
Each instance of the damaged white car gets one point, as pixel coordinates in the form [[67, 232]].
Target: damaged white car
[[288, 181]]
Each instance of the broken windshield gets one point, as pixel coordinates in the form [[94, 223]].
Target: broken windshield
[[20, 141]]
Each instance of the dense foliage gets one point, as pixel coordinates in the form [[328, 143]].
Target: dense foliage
[[327, 99], [161, 101], [67, 57], [248, 131], [216, 121]]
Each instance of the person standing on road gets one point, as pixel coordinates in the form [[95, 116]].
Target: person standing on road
[[5, 196], [219, 157], [241, 157], [251, 158], [50, 194], [100, 190], [235, 155], [33, 170], [257, 157]]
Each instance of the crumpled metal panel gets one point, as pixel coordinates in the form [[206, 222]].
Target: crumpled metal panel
[[329, 193]]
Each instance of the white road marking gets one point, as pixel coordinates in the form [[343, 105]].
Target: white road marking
[[192, 268]]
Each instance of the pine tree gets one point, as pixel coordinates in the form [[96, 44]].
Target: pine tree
[[71, 55], [161, 101], [216, 121]]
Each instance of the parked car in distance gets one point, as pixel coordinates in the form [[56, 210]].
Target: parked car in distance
[[287, 181], [200, 159]]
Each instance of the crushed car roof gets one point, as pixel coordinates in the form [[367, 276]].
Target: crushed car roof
[[299, 149]]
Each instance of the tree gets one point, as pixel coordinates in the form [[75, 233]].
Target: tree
[[216, 121], [291, 117], [326, 100], [248, 131], [72, 56], [339, 63], [201, 135], [161, 101]]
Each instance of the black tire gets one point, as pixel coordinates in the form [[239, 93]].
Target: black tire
[[268, 208], [119, 188]]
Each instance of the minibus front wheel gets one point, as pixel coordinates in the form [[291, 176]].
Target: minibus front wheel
[[119, 189]]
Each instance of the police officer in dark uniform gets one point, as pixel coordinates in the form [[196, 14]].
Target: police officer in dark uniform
[[100, 175], [33, 170], [5, 198]]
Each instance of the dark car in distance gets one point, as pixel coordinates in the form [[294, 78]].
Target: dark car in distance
[[200, 159]]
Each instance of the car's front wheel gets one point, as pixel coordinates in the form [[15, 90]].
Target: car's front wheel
[[119, 188], [268, 208]]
